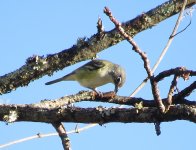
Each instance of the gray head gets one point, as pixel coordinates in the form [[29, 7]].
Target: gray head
[[119, 77]]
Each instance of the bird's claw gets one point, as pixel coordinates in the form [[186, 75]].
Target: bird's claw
[[98, 93]]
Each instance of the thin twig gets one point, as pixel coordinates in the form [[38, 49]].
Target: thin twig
[[157, 128], [187, 91], [179, 71], [171, 91], [63, 135], [179, 19], [163, 51], [144, 57], [100, 29], [45, 135], [183, 29]]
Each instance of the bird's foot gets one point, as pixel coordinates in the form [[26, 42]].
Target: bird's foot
[[111, 94], [98, 94]]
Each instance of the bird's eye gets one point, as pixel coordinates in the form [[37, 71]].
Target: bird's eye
[[118, 80]]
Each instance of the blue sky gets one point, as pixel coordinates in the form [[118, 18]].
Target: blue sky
[[45, 27]]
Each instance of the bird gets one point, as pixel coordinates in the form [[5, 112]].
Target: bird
[[96, 73]]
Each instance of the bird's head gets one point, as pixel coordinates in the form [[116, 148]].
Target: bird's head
[[119, 77]]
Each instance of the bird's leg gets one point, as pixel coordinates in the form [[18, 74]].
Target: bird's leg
[[100, 94]]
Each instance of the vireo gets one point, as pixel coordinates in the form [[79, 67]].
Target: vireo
[[96, 73]]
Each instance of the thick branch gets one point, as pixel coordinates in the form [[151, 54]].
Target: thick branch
[[99, 115], [37, 66]]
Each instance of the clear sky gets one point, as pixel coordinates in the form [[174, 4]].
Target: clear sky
[[45, 27]]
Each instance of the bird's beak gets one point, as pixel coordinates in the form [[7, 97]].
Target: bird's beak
[[116, 89]]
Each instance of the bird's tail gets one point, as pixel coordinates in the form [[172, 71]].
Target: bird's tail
[[54, 81], [68, 77]]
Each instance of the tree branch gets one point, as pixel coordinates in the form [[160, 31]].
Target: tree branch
[[155, 90], [39, 135], [63, 135], [108, 98], [86, 48], [187, 91], [179, 71], [164, 50], [171, 91], [99, 115]]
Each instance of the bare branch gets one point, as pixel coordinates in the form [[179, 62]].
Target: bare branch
[[122, 100], [179, 20], [157, 128], [164, 50], [187, 91], [144, 57], [171, 91], [39, 135], [100, 115], [63, 135], [179, 71], [100, 28]]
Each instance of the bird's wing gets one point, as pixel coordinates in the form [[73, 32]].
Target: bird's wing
[[88, 68], [94, 65]]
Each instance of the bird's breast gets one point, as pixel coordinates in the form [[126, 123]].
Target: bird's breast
[[93, 80]]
